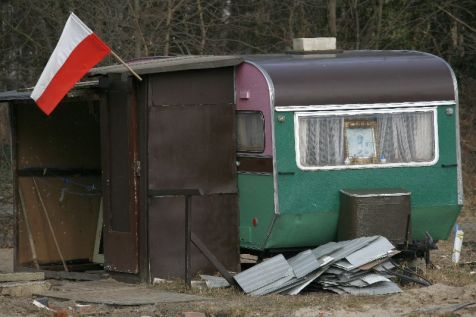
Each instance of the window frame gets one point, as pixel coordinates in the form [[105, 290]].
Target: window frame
[[238, 151], [350, 113]]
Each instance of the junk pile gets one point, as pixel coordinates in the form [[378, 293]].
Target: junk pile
[[359, 267]]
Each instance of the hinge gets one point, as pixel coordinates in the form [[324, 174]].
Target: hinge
[[137, 168]]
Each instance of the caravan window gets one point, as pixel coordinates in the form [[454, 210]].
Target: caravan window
[[365, 138], [250, 131]]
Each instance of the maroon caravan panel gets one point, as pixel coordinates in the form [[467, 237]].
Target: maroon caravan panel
[[191, 146]]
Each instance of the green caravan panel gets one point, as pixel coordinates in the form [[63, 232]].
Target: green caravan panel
[[256, 199], [312, 196]]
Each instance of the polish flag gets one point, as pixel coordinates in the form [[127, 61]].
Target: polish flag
[[77, 51]]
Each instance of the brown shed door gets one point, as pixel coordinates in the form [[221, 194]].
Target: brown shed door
[[120, 180]]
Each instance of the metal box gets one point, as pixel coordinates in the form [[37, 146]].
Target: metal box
[[371, 212]]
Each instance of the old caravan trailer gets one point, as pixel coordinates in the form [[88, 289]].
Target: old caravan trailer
[[378, 126], [267, 151]]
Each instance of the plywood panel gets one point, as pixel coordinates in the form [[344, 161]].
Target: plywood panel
[[73, 207]]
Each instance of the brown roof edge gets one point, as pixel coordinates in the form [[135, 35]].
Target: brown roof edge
[[171, 64]]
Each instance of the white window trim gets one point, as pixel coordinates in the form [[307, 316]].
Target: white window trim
[[350, 113], [356, 106]]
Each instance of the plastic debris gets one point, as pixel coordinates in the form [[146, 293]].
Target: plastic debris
[[457, 246]]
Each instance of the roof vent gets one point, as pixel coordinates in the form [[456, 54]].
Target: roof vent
[[314, 44]]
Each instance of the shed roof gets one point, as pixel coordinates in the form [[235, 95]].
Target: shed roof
[[25, 94], [169, 64], [357, 77], [14, 95]]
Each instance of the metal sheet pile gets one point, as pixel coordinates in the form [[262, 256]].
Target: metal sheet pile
[[359, 267]]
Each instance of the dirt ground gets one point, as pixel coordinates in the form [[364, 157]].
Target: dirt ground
[[453, 288]]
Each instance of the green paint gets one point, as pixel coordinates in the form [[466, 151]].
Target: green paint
[[311, 229], [256, 199], [309, 200]]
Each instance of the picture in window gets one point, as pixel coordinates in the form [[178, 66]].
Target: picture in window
[[360, 141]]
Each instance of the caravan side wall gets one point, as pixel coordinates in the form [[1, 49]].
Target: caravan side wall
[[309, 200]]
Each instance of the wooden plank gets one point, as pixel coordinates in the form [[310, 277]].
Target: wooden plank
[[22, 276], [75, 276], [99, 257], [211, 257]]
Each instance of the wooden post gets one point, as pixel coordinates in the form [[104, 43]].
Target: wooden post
[[212, 258], [188, 237], [125, 64]]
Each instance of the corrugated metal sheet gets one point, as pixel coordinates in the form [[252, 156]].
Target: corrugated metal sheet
[[304, 263], [374, 278], [381, 288], [326, 249], [262, 274], [326, 267], [276, 285], [376, 250], [308, 280]]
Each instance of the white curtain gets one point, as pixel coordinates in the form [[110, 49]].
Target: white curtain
[[321, 141], [250, 131], [403, 138], [407, 137]]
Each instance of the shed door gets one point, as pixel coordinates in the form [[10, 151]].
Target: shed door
[[119, 155], [192, 147]]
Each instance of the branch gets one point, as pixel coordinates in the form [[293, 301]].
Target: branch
[[27, 36], [457, 19]]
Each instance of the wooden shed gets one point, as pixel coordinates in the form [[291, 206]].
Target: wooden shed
[[129, 158]]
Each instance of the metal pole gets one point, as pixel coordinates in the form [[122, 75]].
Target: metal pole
[[188, 237]]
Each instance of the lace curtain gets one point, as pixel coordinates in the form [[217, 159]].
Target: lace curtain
[[250, 131], [402, 138]]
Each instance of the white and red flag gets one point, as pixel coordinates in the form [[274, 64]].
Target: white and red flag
[[77, 51]]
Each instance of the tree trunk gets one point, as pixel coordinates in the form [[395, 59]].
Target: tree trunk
[[357, 24], [379, 24], [331, 17], [168, 28], [203, 29]]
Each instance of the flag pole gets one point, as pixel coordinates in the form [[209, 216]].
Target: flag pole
[[125, 64]]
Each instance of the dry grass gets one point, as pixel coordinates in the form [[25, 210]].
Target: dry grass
[[231, 302], [445, 272]]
